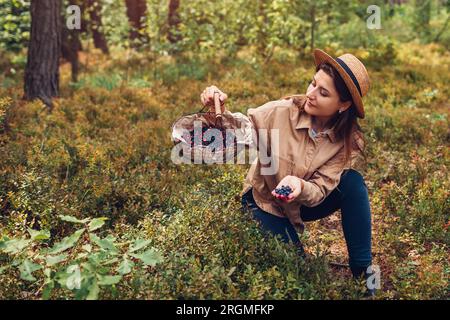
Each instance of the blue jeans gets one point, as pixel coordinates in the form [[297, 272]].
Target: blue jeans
[[351, 197]]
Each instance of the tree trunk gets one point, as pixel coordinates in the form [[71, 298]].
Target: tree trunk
[[438, 35], [136, 12], [42, 70], [173, 20], [423, 15], [95, 9], [71, 44], [313, 26], [262, 37]]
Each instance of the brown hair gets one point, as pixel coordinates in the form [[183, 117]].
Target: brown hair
[[346, 123]]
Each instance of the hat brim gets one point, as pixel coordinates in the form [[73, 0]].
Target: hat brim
[[321, 56]]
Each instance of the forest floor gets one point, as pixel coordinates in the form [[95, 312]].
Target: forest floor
[[105, 151]]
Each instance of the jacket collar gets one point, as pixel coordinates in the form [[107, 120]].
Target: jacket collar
[[305, 122]]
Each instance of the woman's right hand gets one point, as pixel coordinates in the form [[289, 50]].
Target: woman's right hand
[[207, 97]]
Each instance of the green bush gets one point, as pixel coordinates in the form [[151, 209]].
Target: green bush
[[15, 24], [82, 263]]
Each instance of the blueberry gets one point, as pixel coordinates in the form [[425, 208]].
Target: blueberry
[[283, 191]]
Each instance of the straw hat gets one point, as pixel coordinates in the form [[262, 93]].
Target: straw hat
[[352, 72]]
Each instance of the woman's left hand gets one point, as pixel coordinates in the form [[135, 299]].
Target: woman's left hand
[[295, 184]]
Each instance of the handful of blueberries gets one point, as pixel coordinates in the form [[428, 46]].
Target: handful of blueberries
[[283, 192], [193, 139]]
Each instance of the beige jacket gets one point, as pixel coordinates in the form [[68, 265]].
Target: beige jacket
[[318, 161]]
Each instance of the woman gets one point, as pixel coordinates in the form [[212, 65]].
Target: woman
[[319, 143]]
